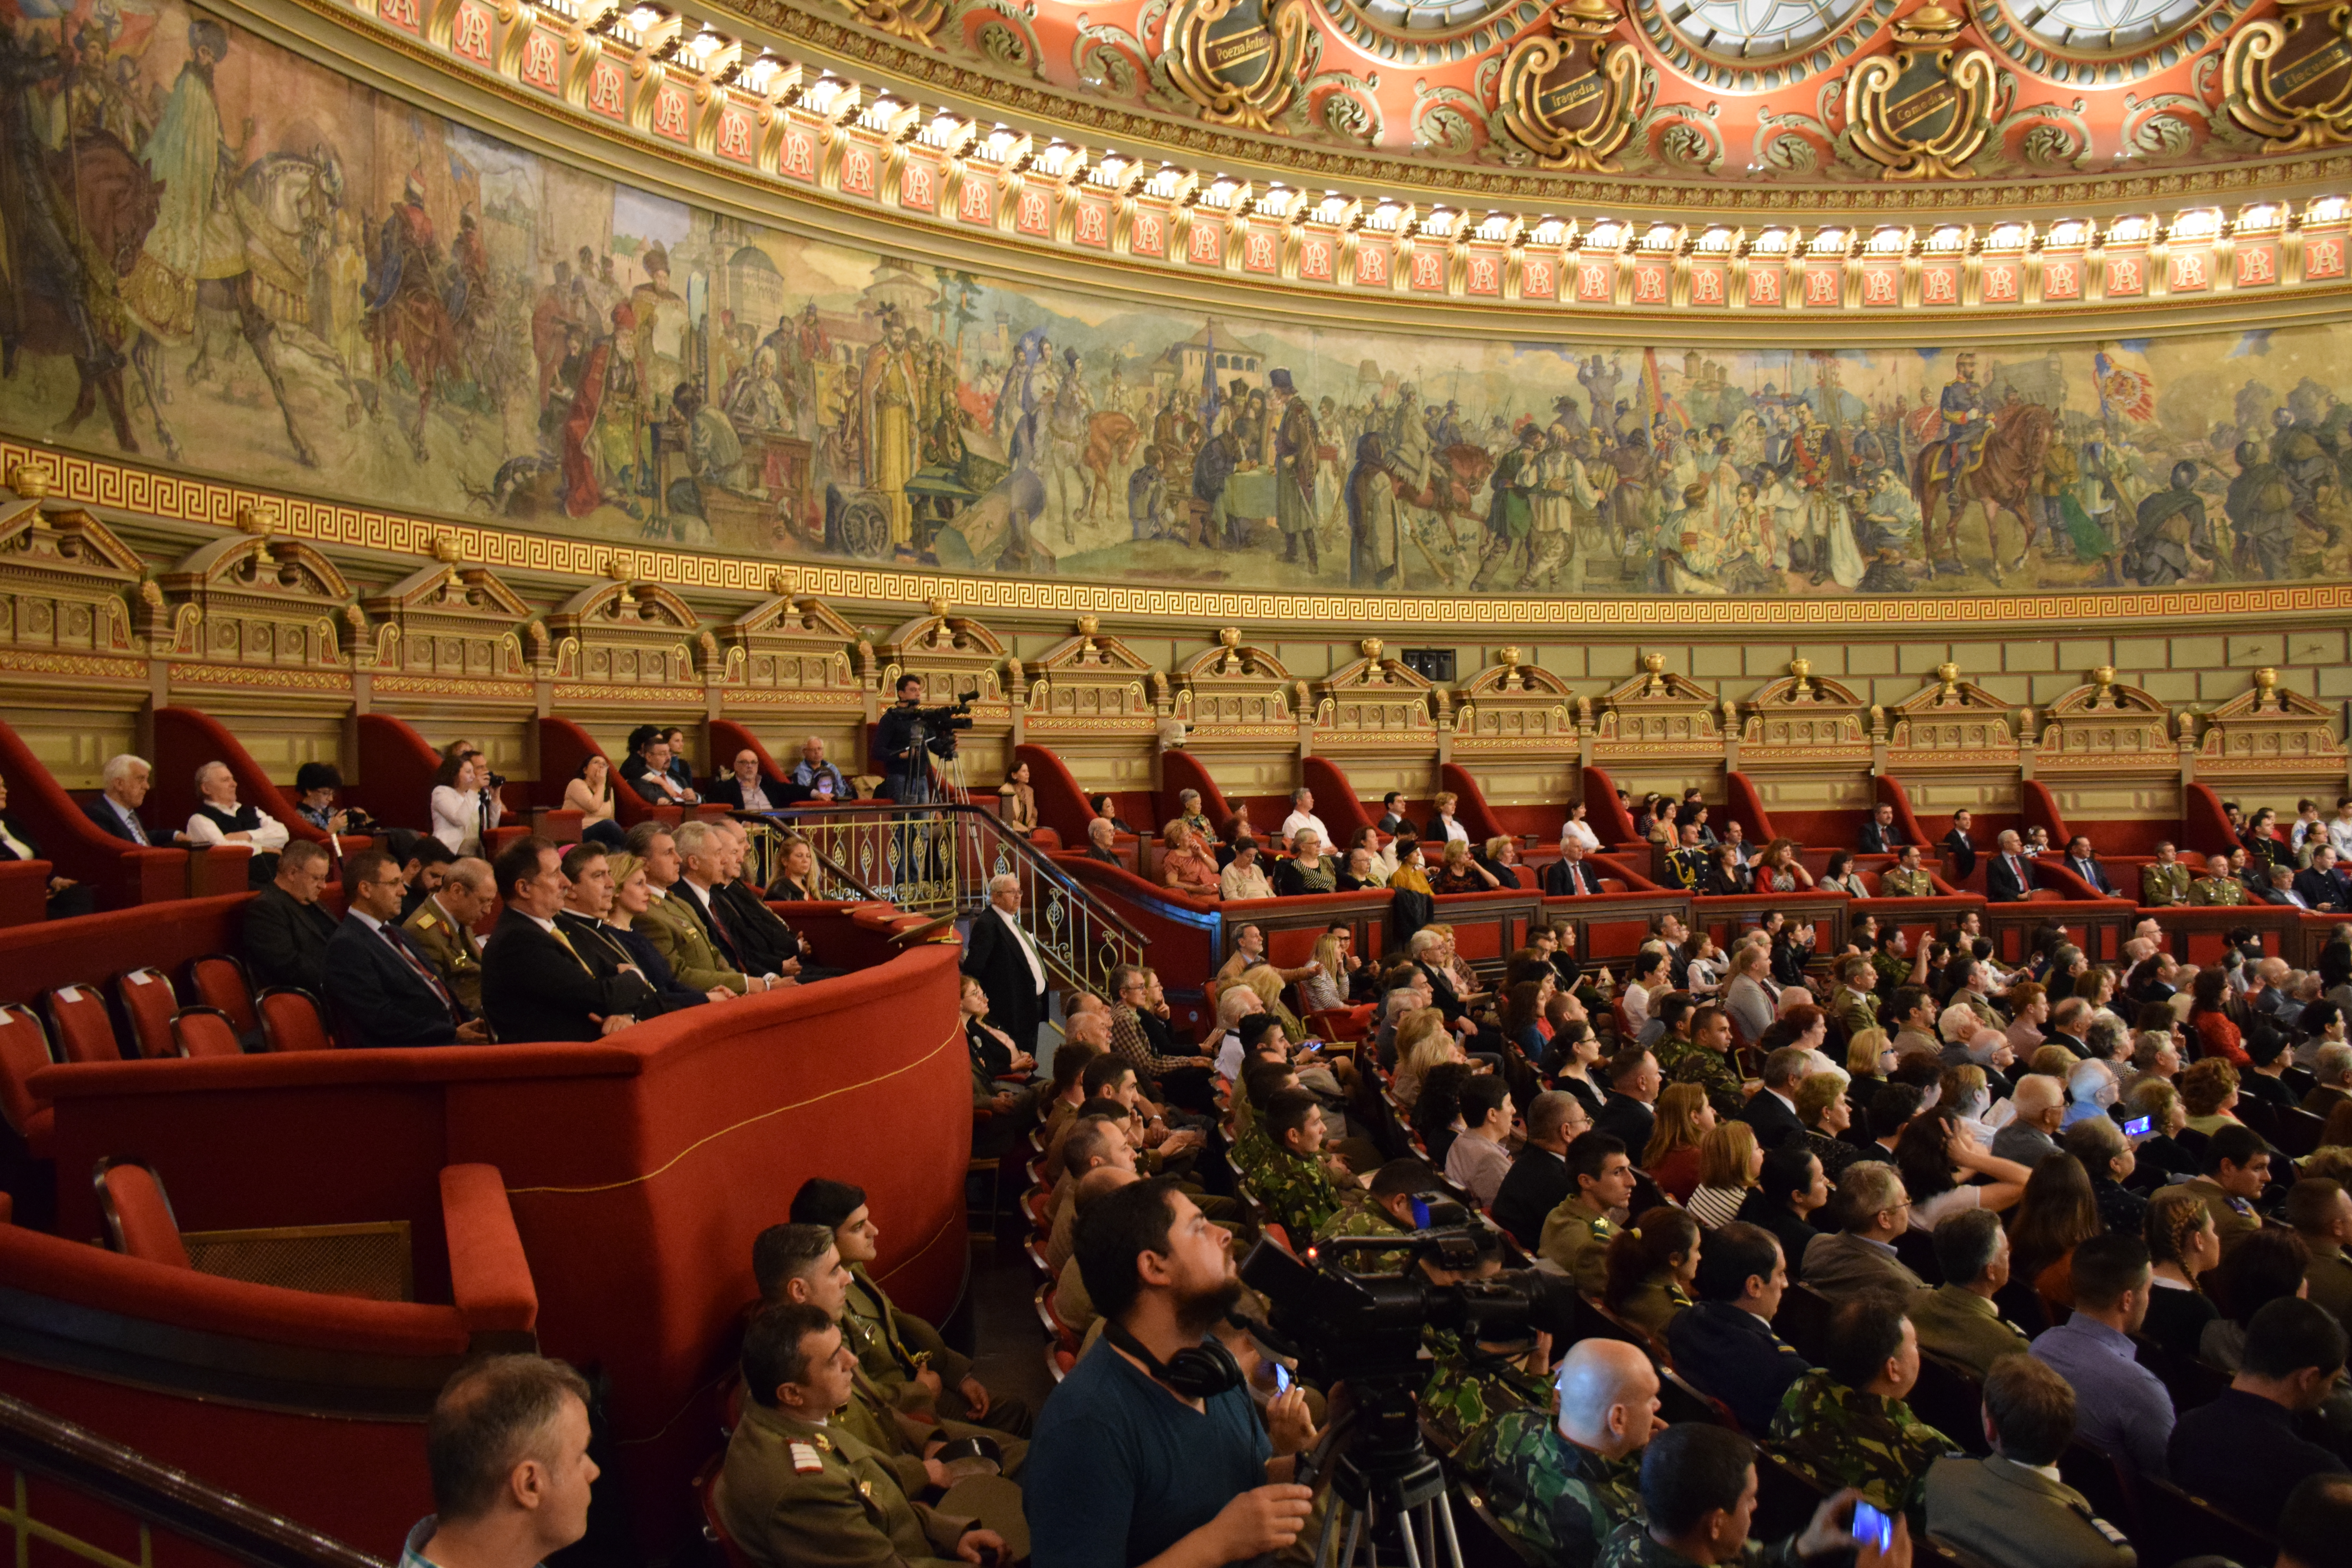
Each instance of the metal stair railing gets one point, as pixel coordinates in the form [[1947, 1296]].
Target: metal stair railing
[[939, 860]]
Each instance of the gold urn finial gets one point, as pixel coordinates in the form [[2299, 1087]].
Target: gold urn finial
[[447, 550], [1088, 626], [2104, 677], [778, 583], [1507, 656], [30, 480], [1654, 663], [253, 521], [1229, 637], [617, 568], [1802, 668], [1947, 672], [1370, 647], [2266, 681], [936, 606]]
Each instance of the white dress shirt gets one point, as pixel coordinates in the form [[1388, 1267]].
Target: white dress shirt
[[1581, 834], [1028, 948], [266, 838]]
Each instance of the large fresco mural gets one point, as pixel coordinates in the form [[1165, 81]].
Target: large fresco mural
[[223, 256]]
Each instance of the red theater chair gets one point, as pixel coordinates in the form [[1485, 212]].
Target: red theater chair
[[220, 982], [291, 1020], [138, 1219], [205, 1032], [24, 1051], [149, 1002], [83, 1027]]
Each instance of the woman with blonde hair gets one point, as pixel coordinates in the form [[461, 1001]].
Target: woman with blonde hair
[[1459, 873], [1443, 829], [1187, 866], [1682, 1118], [1423, 1041], [1730, 1160], [1265, 980], [1869, 1058], [1324, 987]]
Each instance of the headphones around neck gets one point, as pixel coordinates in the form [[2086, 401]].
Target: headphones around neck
[[1196, 1372]]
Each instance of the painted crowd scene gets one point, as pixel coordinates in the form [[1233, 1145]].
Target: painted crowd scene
[[224, 258]]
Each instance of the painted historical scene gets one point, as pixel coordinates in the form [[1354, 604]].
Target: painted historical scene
[[222, 257]]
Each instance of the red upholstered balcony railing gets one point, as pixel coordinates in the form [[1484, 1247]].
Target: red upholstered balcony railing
[[185, 741], [118, 872]]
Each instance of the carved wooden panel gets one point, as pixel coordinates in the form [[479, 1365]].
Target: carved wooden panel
[[451, 621], [253, 599], [622, 635]]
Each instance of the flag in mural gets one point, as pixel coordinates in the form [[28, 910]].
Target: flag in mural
[[2123, 391]]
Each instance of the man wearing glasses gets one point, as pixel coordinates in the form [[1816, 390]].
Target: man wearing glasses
[[1874, 1209]]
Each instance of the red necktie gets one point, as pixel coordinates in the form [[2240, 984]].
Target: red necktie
[[425, 972]]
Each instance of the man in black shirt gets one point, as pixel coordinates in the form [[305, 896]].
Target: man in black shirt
[[906, 769], [2241, 1450], [286, 932]]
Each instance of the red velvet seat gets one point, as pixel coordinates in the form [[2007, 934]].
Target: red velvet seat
[[291, 1020], [149, 1002], [83, 1027], [205, 1032], [219, 981], [714, 1530], [24, 1050], [138, 1219]]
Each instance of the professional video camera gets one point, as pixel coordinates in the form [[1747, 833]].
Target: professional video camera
[[1356, 1320]]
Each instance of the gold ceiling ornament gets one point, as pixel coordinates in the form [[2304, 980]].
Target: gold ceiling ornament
[[2289, 77], [1238, 59], [1922, 112], [913, 20], [1568, 95]]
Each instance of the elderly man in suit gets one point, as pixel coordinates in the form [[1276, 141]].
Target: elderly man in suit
[[382, 988], [2008, 876], [286, 932], [1000, 954], [1881, 835], [116, 811], [1874, 1210], [2164, 883], [442, 928], [535, 984]]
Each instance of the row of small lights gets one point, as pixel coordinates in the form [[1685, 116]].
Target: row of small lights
[[670, 38]]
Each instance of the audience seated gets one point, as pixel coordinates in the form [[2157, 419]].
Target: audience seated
[[590, 792], [1478, 1161], [286, 932], [1872, 1209], [678, 920], [1577, 1234], [2009, 1509], [599, 919], [813, 774], [1725, 1345], [466, 809], [220, 819], [1847, 1423], [66, 897], [441, 926], [1881, 835], [1958, 1320], [536, 986], [1539, 1180], [115, 809], [423, 866], [1562, 1484], [743, 787], [2125, 1409], [381, 989], [507, 1448], [2241, 1451], [2237, 1169], [649, 770]]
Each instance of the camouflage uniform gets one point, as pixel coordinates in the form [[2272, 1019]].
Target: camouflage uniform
[[1366, 1219], [2207, 890], [1686, 1061], [1578, 1240], [1298, 1194], [1894, 969], [1558, 1501], [1632, 1547], [1467, 1392], [1845, 1438], [1249, 1154]]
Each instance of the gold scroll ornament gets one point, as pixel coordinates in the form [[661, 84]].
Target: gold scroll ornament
[[2289, 77], [1566, 95], [1921, 113], [1238, 59]]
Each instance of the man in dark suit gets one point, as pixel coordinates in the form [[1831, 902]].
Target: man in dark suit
[[67, 896], [1634, 1084], [2242, 1450], [612, 950], [1725, 1345], [768, 940], [1772, 1109], [1392, 818], [116, 811], [382, 990], [1569, 876], [1539, 1179], [1880, 834], [2321, 885], [535, 984], [2008, 877], [1000, 956], [2068, 1020], [286, 932], [2084, 862], [747, 788], [1959, 850]]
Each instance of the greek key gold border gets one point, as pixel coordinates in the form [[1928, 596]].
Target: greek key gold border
[[95, 481]]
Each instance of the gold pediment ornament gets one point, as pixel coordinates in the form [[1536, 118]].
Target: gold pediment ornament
[[1237, 59], [1922, 112], [1566, 96], [2289, 77], [913, 20]]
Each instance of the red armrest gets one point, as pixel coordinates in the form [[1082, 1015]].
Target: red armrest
[[24, 892], [489, 1277], [217, 870]]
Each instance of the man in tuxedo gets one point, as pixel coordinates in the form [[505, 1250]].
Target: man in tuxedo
[[1959, 850], [116, 811], [286, 932], [535, 984], [1772, 1111], [2320, 883], [382, 988], [1538, 1180], [2084, 862], [2008, 877], [441, 927], [1392, 818], [1569, 876], [1000, 954], [2164, 883], [1880, 835]]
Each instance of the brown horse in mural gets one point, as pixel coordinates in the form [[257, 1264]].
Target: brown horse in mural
[[2003, 480], [1110, 443]]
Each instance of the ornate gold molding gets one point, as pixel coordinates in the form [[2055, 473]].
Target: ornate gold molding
[[1922, 112], [1566, 95], [2293, 82]]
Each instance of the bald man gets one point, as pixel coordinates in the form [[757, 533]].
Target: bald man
[[1564, 1488]]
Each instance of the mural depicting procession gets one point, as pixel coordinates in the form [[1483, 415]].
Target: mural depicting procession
[[221, 256]]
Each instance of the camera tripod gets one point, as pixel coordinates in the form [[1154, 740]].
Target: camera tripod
[[1393, 1493]]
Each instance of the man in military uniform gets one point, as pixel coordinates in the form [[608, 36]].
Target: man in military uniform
[[1576, 1235], [1296, 1183], [2261, 508], [1854, 1002], [2010, 1507], [1471, 1385], [1705, 1058], [2321, 1212], [903, 1354], [2171, 533], [1845, 1423], [1298, 449], [2221, 885], [2164, 883], [1388, 1213], [443, 926], [1698, 1498], [1906, 879], [1562, 1485], [1965, 419], [795, 1489]]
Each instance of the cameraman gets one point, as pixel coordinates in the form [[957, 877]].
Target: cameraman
[[1146, 1462], [906, 774]]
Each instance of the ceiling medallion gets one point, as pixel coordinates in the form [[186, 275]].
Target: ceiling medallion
[[2293, 83], [1922, 112], [1237, 59], [1566, 96]]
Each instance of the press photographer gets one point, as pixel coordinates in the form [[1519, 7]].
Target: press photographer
[[909, 732]]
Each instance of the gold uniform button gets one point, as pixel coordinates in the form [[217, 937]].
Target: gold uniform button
[[866, 1490]]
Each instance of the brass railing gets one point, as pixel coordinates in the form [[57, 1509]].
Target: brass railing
[[940, 860], [150, 1497]]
